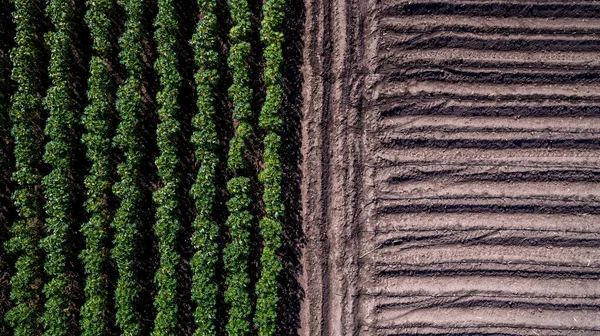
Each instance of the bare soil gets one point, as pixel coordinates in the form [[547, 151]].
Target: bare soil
[[451, 167]]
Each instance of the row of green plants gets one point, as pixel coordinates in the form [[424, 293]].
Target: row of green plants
[[60, 316], [6, 164], [97, 139], [126, 220], [38, 234], [236, 252], [270, 121], [6, 90], [25, 113], [168, 130], [206, 141]]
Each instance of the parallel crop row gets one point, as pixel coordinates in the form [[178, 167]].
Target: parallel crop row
[[205, 138], [270, 121], [26, 232], [97, 140], [126, 220], [59, 318], [236, 252], [167, 223]]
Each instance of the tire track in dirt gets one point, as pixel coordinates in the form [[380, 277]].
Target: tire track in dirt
[[452, 171]]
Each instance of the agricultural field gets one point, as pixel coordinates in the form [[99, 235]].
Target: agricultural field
[[142, 187], [299, 167]]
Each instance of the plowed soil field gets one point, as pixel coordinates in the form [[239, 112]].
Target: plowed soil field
[[451, 167]]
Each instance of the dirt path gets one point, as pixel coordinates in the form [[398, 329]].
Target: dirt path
[[451, 167]]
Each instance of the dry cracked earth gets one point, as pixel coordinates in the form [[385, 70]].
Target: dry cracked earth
[[451, 167]]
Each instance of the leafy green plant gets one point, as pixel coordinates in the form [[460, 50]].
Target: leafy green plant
[[126, 220], [94, 319], [26, 232], [167, 222], [205, 138], [59, 318], [235, 254], [270, 226]]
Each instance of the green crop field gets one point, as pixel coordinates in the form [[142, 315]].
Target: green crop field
[[141, 173]]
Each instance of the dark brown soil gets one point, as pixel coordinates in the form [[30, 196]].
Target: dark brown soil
[[451, 162]]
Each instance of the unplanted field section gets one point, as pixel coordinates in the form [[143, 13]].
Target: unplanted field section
[[485, 168], [479, 168]]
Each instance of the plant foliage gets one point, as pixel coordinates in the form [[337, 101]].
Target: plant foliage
[[235, 254], [205, 138], [44, 287], [59, 318], [97, 140], [27, 230], [126, 220], [270, 121], [167, 222]]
